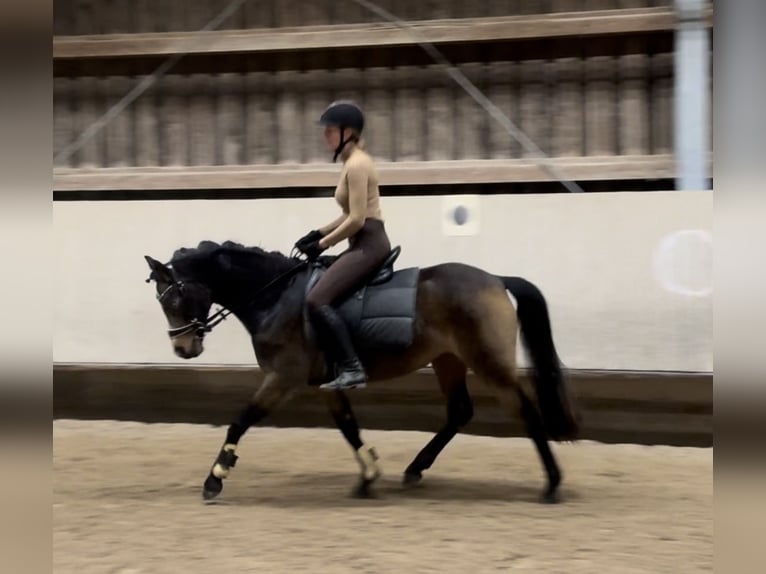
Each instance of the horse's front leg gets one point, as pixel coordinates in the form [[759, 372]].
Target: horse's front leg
[[340, 409], [275, 390]]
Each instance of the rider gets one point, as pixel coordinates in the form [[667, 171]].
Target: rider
[[361, 223]]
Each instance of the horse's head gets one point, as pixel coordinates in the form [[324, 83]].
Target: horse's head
[[186, 303]]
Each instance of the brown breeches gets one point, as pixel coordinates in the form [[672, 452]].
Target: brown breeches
[[369, 248]]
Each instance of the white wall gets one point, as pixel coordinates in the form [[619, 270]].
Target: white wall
[[594, 256]]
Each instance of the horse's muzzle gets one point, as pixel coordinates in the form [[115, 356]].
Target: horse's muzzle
[[188, 347]]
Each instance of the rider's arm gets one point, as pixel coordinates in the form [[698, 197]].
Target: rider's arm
[[356, 179], [330, 227]]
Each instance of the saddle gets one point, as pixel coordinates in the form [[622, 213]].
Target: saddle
[[384, 273], [381, 314]]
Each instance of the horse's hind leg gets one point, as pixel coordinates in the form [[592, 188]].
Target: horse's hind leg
[[340, 409], [490, 350], [451, 372], [273, 391], [513, 398]]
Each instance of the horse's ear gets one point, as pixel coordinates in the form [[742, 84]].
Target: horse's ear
[[160, 272]]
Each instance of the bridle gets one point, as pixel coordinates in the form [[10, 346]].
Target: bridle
[[200, 327], [195, 325]]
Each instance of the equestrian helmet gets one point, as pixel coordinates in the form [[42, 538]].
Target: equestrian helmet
[[343, 114]]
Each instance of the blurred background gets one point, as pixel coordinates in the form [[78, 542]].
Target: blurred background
[[594, 83], [225, 145]]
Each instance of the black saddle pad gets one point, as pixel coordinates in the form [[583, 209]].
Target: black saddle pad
[[380, 316]]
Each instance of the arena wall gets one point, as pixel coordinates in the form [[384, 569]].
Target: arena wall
[[627, 276]]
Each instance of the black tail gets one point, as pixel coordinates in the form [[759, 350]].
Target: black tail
[[556, 406]]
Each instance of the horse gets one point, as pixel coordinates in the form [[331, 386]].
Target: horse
[[453, 316]]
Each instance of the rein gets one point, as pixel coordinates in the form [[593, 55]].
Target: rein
[[201, 327]]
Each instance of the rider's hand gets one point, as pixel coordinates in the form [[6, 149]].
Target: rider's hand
[[310, 237], [313, 250]]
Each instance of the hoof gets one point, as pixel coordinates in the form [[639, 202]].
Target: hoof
[[212, 487], [411, 479], [363, 489]]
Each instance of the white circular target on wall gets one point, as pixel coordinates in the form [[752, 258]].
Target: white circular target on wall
[[683, 263]]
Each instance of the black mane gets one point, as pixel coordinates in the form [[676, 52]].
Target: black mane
[[207, 248], [254, 259]]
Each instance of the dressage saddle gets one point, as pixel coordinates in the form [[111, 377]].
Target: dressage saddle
[[383, 274]]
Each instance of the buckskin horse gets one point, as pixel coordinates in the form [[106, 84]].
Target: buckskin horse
[[451, 315]]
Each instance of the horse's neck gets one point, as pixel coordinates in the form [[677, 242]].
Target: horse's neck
[[247, 291]]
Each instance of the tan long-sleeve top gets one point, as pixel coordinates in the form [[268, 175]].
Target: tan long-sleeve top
[[357, 195]]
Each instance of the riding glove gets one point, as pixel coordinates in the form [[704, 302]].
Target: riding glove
[[311, 236], [313, 250]]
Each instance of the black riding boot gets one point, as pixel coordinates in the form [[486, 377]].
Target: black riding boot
[[333, 337]]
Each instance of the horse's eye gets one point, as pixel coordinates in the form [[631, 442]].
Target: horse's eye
[[175, 303]]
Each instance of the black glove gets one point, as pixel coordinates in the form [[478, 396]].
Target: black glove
[[313, 250], [310, 237]]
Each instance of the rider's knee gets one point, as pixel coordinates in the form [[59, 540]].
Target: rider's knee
[[314, 303]]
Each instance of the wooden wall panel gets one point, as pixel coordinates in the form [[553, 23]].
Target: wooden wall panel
[[472, 120], [63, 117], [567, 128], [633, 104], [614, 97], [408, 114], [317, 12], [502, 90], [499, 7], [534, 109], [63, 17], [317, 96], [201, 119], [435, 9], [176, 15], [440, 112], [404, 9], [662, 103], [288, 117], [173, 124], [566, 5], [198, 14], [146, 129], [118, 16], [532, 7], [379, 105], [351, 13], [125, 16], [617, 406], [260, 110], [147, 17], [599, 4], [88, 108], [347, 84], [87, 17], [259, 14], [230, 116], [118, 133], [600, 106], [288, 13]]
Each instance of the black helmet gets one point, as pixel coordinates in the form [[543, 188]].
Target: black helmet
[[343, 114]]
